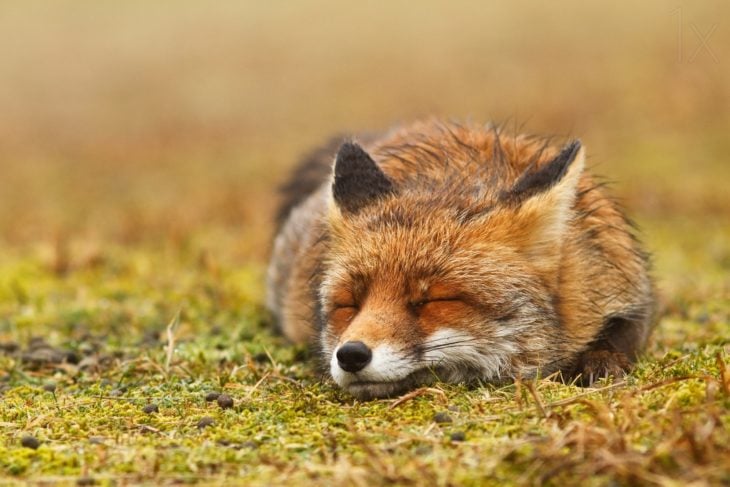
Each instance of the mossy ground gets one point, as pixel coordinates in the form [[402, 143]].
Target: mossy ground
[[104, 325], [140, 143]]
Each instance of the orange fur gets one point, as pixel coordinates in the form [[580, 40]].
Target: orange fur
[[517, 262]]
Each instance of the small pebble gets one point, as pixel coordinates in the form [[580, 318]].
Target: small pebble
[[151, 408], [91, 362], [442, 417], [225, 401], [39, 357], [423, 450], [458, 436], [50, 387], [9, 347], [261, 358], [249, 444], [73, 358], [37, 342], [205, 421], [96, 440], [212, 396], [30, 442], [252, 445]]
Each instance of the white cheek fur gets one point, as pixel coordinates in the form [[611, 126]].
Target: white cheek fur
[[452, 351]]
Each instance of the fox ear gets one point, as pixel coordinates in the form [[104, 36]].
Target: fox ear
[[542, 202], [357, 179], [533, 183]]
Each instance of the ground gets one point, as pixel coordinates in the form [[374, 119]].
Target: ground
[[87, 348], [140, 145]]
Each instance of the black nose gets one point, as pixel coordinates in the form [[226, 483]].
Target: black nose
[[354, 356]]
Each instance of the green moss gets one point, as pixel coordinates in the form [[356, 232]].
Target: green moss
[[668, 420]]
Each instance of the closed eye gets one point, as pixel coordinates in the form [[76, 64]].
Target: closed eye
[[344, 310], [424, 302], [341, 315]]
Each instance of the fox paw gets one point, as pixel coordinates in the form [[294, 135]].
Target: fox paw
[[593, 365]]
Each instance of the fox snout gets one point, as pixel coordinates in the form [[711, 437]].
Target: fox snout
[[380, 371], [369, 369], [368, 350], [353, 356]]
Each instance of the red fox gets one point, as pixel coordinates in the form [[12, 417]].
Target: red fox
[[441, 251]]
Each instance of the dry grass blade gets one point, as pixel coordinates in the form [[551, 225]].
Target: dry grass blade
[[256, 386], [418, 392], [590, 392], [667, 382], [538, 400], [170, 346]]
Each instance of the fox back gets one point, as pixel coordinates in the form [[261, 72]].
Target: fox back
[[447, 252]]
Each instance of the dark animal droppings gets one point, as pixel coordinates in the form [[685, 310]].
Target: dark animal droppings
[[73, 358], [458, 436], [261, 358], [442, 417], [151, 408], [9, 347], [30, 442], [225, 401]]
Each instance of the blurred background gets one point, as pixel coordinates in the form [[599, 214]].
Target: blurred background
[[130, 123]]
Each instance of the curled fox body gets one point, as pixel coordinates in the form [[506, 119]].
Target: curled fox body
[[448, 252]]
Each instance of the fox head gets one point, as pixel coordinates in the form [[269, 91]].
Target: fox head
[[446, 278]]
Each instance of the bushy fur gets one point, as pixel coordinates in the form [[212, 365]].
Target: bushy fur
[[458, 253]]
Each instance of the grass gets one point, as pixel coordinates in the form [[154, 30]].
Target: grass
[[140, 143], [110, 320]]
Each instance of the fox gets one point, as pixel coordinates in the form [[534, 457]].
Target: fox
[[443, 251]]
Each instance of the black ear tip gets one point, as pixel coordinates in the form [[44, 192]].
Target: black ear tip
[[350, 151], [358, 179], [571, 150], [350, 147]]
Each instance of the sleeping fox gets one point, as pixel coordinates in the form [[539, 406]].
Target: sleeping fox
[[441, 251]]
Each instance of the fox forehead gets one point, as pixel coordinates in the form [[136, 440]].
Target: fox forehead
[[406, 233], [420, 257]]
